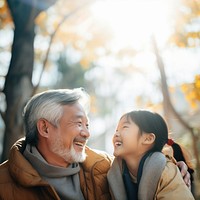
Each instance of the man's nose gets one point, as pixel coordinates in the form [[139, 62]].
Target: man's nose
[[85, 132]]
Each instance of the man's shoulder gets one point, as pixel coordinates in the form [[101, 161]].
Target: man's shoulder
[[171, 168], [6, 166], [98, 154], [4, 173], [171, 174], [98, 159]]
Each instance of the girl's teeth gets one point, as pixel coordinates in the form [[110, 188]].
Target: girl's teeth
[[118, 143]]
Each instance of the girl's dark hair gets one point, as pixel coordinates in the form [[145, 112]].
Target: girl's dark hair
[[180, 154], [150, 122]]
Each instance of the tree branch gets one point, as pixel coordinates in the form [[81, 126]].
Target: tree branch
[[52, 37]]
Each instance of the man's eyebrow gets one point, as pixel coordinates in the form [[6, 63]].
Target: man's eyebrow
[[80, 116]]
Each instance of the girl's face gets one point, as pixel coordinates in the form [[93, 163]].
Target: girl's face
[[127, 140]]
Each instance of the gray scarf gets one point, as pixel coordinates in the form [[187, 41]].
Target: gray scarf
[[64, 180]]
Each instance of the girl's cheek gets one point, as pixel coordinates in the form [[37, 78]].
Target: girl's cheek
[[113, 139]]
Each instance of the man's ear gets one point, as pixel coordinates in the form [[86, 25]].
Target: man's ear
[[42, 126], [149, 138]]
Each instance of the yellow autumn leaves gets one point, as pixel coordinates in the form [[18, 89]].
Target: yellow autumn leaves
[[192, 92]]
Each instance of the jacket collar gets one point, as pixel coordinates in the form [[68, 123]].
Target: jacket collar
[[20, 169], [152, 170]]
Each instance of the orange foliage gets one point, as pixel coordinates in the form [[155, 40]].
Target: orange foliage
[[5, 17], [192, 92], [187, 16], [76, 29]]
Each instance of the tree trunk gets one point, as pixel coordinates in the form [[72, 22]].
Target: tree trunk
[[169, 108], [18, 85]]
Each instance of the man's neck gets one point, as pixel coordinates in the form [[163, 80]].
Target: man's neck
[[51, 157]]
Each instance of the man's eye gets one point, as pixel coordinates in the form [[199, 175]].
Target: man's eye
[[125, 126], [87, 126], [79, 123]]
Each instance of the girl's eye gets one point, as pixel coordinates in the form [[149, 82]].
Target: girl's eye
[[125, 126]]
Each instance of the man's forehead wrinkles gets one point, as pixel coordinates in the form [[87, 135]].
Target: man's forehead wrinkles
[[80, 116]]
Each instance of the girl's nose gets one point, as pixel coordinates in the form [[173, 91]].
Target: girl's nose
[[116, 134]]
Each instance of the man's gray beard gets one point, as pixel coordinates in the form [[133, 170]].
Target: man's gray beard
[[71, 156]]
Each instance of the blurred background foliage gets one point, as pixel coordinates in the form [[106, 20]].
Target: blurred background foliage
[[126, 54]]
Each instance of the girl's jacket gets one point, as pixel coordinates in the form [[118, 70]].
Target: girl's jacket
[[160, 179]]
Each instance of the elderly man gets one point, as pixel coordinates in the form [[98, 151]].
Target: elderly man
[[53, 162]]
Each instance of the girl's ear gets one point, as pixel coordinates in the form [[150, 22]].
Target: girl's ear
[[42, 126], [149, 138]]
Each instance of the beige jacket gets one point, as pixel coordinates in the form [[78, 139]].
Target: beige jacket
[[161, 179]]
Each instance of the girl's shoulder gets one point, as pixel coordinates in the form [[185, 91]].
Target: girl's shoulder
[[171, 170], [171, 184]]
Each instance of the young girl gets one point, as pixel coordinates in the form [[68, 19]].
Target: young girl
[[140, 170]]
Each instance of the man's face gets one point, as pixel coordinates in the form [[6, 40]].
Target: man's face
[[69, 138]]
